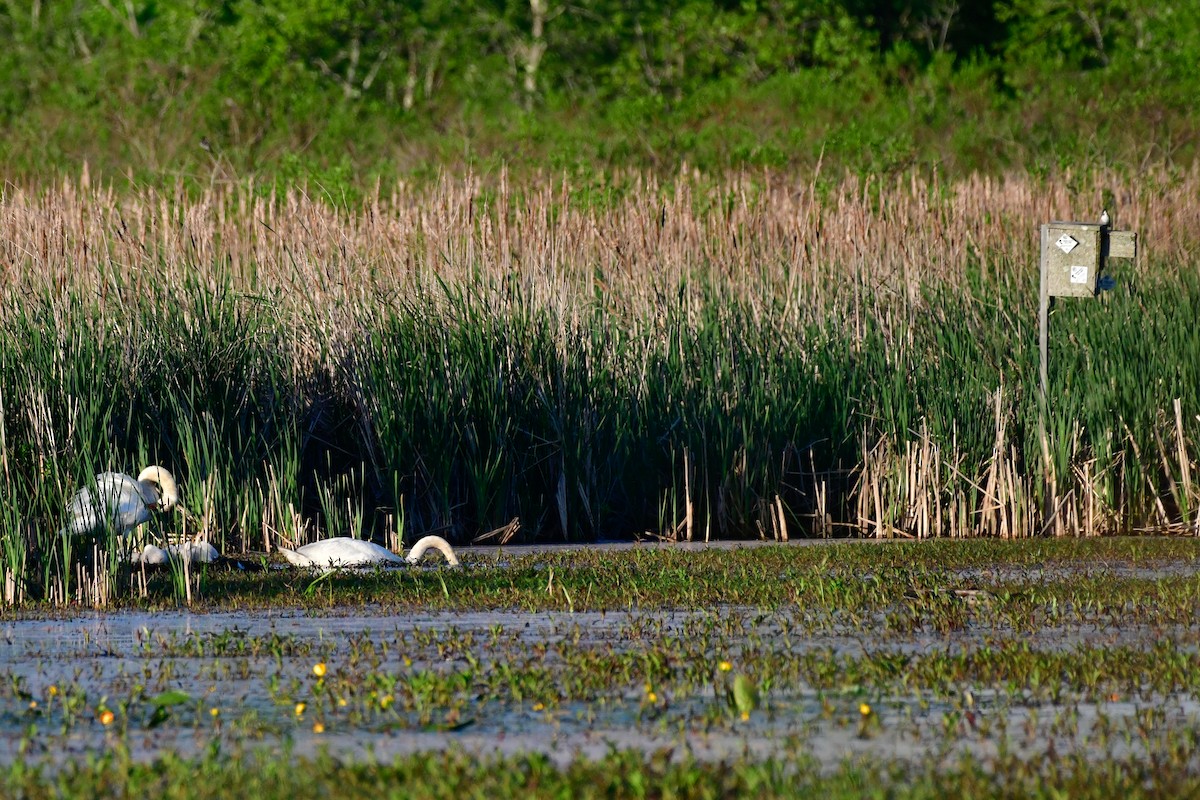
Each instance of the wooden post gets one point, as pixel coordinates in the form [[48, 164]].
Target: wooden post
[[1073, 257]]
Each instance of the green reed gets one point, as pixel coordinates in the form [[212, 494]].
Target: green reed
[[704, 412]]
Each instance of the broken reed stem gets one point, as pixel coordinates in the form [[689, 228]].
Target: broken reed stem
[[1190, 504], [687, 496]]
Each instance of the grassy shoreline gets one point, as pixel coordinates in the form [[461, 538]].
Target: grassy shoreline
[[616, 776]]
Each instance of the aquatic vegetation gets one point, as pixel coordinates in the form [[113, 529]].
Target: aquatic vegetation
[[1067, 661]]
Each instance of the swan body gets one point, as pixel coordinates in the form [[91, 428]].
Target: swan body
[[340, 551], [191, 552], [121, 501], [343, 551]]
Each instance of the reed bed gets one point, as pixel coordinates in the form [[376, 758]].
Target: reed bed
[[755, 355]]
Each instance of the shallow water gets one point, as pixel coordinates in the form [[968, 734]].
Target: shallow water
[[107, 658], [57, 675]]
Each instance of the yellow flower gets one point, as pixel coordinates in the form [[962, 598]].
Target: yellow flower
[[53, 690], [319, 669], [745, 716], [385, 701], [318, 727], [341, 702], [864, 709], [539, 706], [651, 697], [106, 717], [724, 666], [214, 712], [300, 709], [33, 705]]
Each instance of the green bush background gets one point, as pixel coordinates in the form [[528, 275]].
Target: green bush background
[[348, 90]]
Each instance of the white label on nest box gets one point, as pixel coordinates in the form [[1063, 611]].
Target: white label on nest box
[[1079, 274], [1066, 243]]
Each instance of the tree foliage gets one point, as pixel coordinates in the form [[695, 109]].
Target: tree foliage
[[156, 84]]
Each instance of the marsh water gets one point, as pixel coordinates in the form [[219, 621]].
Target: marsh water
[[239, 676]]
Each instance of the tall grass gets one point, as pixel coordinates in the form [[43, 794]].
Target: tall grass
[[752, 356]]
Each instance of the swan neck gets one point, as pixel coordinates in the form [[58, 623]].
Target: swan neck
[[436, 543], [166, 488]]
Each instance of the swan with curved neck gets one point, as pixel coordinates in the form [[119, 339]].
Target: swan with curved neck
[[344, 551], [121, 501]]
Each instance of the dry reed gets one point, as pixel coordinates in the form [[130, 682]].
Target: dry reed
[[759, 234]]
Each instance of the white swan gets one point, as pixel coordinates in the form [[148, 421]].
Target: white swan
[[343, 551], [191, 552], [121, 501]]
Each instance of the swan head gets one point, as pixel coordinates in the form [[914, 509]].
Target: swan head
[[168, 490]]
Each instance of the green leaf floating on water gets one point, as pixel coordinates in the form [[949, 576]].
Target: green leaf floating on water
[[163, 701], [171, 697], [745, 694]]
